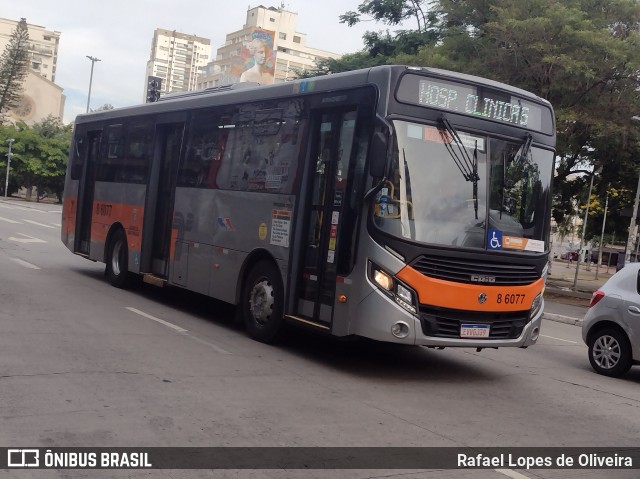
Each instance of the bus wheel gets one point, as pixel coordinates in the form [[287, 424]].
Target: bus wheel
[[262, 302], [118, 261]]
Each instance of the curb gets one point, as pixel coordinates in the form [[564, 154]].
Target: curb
[[558, 318], [566, 292]]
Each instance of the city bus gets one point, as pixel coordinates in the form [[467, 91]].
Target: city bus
[[401, 204]]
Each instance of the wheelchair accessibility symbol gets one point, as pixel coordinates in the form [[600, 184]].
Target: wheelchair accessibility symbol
[[495, 239]]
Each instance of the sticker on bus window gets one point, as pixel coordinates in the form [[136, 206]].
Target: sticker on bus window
[[335, 216], [494, 239], [523, 244], [331, 256]]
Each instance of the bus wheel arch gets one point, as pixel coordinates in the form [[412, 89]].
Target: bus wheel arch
[[116, 257], [261, 301]]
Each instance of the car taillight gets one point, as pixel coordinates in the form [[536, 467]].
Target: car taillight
[[595, 299]]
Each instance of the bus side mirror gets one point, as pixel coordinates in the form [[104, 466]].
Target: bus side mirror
[[379, 147]]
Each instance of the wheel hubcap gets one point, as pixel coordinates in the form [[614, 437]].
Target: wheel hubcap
[[261, 301], [606, 352], [115, 258]]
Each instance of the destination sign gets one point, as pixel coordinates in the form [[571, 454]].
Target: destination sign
[[475, 100]]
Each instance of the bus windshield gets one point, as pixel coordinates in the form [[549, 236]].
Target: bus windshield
[[455, 188]]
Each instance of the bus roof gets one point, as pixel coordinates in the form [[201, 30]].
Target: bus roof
[[255, 92]]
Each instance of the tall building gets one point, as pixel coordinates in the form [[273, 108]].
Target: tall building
[[177, 59], [267, 49], [41, 96]]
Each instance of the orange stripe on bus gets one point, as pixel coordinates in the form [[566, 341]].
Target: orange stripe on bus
[[106, 213], [172, 247], [447, 294], [69, 211]]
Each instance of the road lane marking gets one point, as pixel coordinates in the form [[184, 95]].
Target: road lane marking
[[158, 320], [10, 221], [26, 239], [558, 339], [57, 225], [25, 263], [39, 224], [184, 332], [512, 474]]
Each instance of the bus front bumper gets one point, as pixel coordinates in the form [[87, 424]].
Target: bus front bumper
[[380, 317]]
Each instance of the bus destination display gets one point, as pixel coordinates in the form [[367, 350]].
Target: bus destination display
[[474, 100], [443, 97]]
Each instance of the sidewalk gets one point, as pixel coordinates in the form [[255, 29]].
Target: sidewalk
[[566, 304]]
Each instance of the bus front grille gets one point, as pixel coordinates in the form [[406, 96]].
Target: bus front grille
[[445, 323], [476, 272]]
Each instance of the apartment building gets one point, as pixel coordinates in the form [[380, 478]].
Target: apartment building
[[269, 32], [41, 96], [177, 59], [43, 47]]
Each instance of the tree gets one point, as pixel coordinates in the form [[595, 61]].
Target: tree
[[14, 66], [41, 154], [581, 55]]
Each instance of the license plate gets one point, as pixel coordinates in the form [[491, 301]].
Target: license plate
[[474, 330]]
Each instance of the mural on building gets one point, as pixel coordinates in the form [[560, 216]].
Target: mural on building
[[256, 60]]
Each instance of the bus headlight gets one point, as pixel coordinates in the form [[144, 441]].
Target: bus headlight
[[383, 280], [536, 305], [402, 295]]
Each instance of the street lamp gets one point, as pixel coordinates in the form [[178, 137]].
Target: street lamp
[[9, 155], [93, 61], [632, 225]]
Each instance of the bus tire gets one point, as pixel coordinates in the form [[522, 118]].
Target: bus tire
[[118, 261], [262, 302]]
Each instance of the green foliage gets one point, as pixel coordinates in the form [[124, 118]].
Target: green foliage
[[14, 66], [40, 154], [581, 55]]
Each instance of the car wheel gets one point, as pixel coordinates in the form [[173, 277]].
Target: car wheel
[[118, 261], [262, 302], [610, 352]]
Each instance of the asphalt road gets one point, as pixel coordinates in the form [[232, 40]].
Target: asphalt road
[[85, 364]]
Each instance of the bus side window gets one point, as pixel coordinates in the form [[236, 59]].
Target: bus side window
[[138, 152], [206, 147], [262, 150], [111, 162], [77, 157]]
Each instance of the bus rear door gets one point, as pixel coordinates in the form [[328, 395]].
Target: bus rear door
[[84, 212]]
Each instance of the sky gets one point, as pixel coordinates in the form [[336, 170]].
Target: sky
[[120, 32]]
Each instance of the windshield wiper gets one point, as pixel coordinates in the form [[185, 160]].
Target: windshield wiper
[[519, 157], [467, 165]]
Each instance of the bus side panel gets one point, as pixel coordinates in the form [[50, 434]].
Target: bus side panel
[[69, 212], [217, 230], [118, 203]]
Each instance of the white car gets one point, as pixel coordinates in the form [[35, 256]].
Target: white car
[[611, 327]]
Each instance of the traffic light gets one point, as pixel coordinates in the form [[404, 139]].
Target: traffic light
[[154, 84]]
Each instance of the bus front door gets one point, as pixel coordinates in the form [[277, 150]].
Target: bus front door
[[332, 143], [84, 213]]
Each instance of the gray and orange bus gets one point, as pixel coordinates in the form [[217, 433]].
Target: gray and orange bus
[[402, 204]]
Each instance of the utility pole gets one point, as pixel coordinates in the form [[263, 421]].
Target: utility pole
[[604, 222], [9, 155], [632, 226], [584, 229]]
